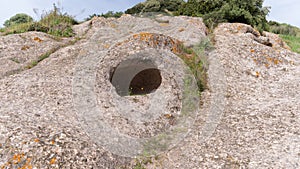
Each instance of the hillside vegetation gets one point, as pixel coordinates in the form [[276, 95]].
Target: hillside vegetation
[[53, 22], [213, 12], [292, 41], [290, 34], [155, 6]]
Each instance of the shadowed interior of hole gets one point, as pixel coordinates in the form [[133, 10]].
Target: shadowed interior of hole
[[145, 82], [135, 77]]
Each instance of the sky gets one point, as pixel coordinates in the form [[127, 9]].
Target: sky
[[283, 11]]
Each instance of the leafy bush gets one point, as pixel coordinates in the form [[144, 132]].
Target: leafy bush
[[109, 14], [155, 6], [199, 7], [216, 11], [18, 19], [58, 24], [37, 26]]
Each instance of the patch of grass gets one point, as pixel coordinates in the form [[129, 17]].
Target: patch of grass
[[289, 34], [48, 53], [32, 64], [141, 162], [17, 28], [2, 30], [293, 42], [25, 27], [40, 58], [15, 60], [195, 58], [138, 166]]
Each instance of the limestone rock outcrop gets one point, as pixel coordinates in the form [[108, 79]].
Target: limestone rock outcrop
[[73, 103]]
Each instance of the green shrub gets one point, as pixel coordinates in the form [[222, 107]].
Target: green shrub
[[58, 24], [138, 8], [18, 19], [37, 26], [109, 14], [199, 7], [216, 11], [155, 6]]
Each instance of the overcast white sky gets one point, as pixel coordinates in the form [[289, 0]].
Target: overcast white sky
[[285, 11]]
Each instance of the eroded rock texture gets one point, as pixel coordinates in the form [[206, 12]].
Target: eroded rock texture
[[248, 118]]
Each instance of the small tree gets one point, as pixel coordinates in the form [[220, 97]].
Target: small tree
[[18, 19]]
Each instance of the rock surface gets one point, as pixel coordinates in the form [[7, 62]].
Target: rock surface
[[248, 118], [19, 52]]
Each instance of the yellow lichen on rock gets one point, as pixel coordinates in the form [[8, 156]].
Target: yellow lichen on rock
[[157, 40], [53, 160], [37, 39]]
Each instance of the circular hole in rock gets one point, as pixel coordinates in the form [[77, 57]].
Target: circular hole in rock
[[136, 77], [146, 81]]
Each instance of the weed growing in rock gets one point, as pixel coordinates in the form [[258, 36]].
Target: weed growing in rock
[[141, 162], [195, 58]]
